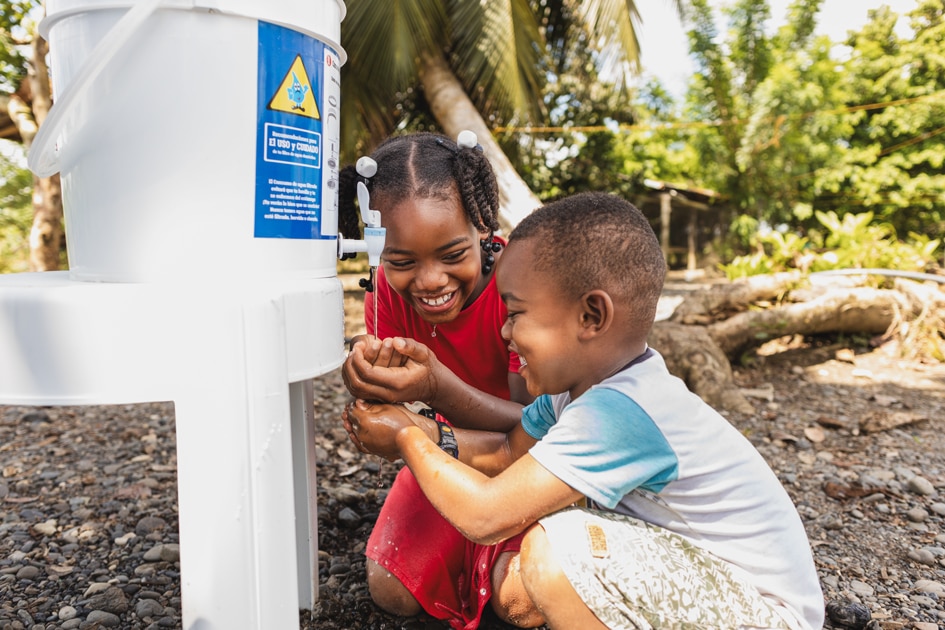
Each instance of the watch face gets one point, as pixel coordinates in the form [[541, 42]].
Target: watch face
[[447, 440]]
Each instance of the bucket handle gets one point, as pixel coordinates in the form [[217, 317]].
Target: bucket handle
[[43, 158]]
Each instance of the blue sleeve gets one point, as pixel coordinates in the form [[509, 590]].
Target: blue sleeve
[[538, 417], [604, 445]]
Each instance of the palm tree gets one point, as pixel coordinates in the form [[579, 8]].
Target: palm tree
[[474, 60]]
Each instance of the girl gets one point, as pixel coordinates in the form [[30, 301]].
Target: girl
[[437, 341]]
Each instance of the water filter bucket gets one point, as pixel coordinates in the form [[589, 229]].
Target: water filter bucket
[[195, 138]]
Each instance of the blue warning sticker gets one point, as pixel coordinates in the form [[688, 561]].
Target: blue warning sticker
[[296, 159]]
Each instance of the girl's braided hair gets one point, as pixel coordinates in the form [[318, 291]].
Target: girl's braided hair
[[427, 166]]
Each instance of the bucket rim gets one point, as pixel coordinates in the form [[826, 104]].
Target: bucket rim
[[57, 10]]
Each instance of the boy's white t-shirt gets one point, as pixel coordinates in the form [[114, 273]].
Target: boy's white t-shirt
[[640, 443]]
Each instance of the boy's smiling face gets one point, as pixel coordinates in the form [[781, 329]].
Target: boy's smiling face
[[543, 327]]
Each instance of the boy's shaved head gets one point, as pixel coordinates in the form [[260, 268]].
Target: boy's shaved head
[[598, 241]]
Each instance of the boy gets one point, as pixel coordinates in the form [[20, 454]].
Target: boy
[[685, 524]]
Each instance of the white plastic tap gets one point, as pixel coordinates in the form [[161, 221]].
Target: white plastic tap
[[374, 234]]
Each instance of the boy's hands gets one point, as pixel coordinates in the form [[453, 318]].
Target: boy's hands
[[373, 427], [390, 370]]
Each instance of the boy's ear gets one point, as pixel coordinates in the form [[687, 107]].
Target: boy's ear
[[597, 313]]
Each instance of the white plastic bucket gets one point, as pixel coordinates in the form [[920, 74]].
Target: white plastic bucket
[[195, 138]]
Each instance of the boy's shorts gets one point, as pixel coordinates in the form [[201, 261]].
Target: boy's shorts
[[637, 576], [448, 574]]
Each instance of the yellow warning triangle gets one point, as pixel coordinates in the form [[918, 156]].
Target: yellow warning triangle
[[294, 95]]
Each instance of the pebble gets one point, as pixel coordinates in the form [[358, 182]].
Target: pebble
[[921, 485], [348, 517], [917, 515], [150, 524], [148, 608], [930, 586], [95, 587], [126, 538], [46, 528], [922, 555], [848, 614], [112, 600], [29, 572], [102, 618], [66, 613]]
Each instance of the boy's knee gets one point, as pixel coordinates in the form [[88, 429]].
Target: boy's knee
[[538, 565], [389, 593]]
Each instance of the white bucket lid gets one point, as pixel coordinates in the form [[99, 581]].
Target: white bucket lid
[[319, 18]]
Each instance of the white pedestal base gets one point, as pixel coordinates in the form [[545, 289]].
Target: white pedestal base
[[236, 359]]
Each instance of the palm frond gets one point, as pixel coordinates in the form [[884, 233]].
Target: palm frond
[[498, 50], [613, 27], [383, 40]]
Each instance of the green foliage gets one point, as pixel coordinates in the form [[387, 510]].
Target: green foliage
[[599, 141], [894, 89], [16, 215], [789, 129], [13, 18], [859, 241], [853, 241]]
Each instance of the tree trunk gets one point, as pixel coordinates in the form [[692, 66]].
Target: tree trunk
[[23, 113], [455, 112], [46, 238], [46, 234]]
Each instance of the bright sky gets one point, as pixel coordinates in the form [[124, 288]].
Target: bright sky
[[665, 51]]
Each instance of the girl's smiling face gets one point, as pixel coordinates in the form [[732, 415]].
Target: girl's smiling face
[[432, 257]]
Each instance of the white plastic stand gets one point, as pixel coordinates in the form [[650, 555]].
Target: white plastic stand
[[236, 360]]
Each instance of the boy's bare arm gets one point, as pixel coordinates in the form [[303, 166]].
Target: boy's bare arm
[[485, 508], [490, 452]]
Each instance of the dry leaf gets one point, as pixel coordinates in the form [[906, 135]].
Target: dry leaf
[[885, 401], [134, 491], [766, 392], [846, 491], [347, 472], [782, 436], [807, 457], [884, 420], [831, 423], [20, 499]]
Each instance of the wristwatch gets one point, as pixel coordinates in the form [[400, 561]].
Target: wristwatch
[[447, 439]]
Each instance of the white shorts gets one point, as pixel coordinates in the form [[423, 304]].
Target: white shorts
[[638, 576]]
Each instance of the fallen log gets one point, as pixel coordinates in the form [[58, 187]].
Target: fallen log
[[716, 325]]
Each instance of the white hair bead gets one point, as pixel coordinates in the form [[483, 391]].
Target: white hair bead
[[467, 139], [366, 167]]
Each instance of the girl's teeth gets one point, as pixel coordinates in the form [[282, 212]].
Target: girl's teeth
[[438, 301]]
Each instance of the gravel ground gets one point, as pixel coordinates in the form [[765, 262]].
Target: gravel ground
[[88, 510]]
